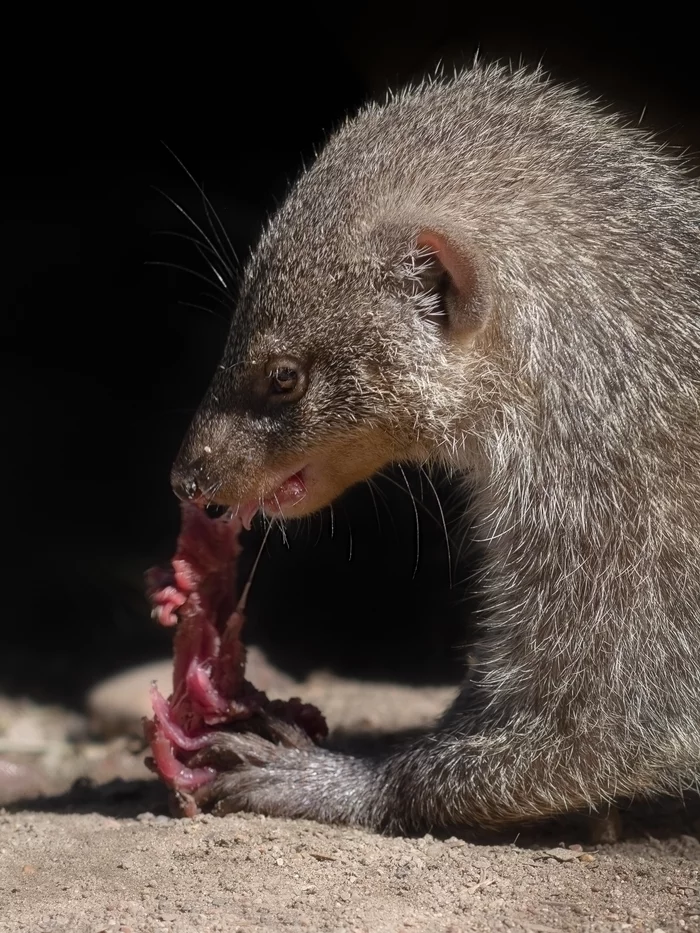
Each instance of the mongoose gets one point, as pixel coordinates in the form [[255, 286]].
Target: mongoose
[[492, 272]]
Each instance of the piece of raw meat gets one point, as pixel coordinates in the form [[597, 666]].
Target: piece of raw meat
[[201, 595]]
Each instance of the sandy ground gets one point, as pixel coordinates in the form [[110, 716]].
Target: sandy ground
[[102, 855]]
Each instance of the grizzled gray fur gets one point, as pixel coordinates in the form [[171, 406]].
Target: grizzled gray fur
[[493, 273]]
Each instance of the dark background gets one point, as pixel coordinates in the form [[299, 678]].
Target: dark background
[[104, 361]]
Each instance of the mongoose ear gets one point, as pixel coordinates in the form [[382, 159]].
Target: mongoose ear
[[451, 283]]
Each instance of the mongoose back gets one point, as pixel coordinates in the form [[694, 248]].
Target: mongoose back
[[494, 273]]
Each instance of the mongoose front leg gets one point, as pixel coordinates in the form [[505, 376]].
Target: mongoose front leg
[[469, 771]]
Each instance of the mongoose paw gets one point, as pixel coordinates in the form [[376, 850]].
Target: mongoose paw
[[259, 775]]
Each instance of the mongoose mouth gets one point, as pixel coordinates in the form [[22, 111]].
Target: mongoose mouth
[[288, 493]]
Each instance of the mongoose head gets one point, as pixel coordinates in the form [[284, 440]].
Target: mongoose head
[[332, 371], [349, 347]]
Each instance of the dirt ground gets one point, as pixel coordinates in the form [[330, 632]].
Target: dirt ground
[[100, 854]]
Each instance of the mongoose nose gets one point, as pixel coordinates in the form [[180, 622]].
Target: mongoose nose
[[189, 481], [187, 489]]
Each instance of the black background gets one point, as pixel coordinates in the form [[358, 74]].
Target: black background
[[103, 360]]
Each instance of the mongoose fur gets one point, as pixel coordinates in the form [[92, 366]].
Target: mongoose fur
[[494, 273]]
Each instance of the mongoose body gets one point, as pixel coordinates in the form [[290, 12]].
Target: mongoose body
[[493, 273]]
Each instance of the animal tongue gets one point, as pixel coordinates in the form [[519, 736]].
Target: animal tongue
[[289, 491]]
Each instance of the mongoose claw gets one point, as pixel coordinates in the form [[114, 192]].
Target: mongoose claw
[[258, 775], [291, 776]]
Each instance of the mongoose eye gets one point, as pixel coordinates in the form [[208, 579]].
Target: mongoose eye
[[287, 380], [284, 380]]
